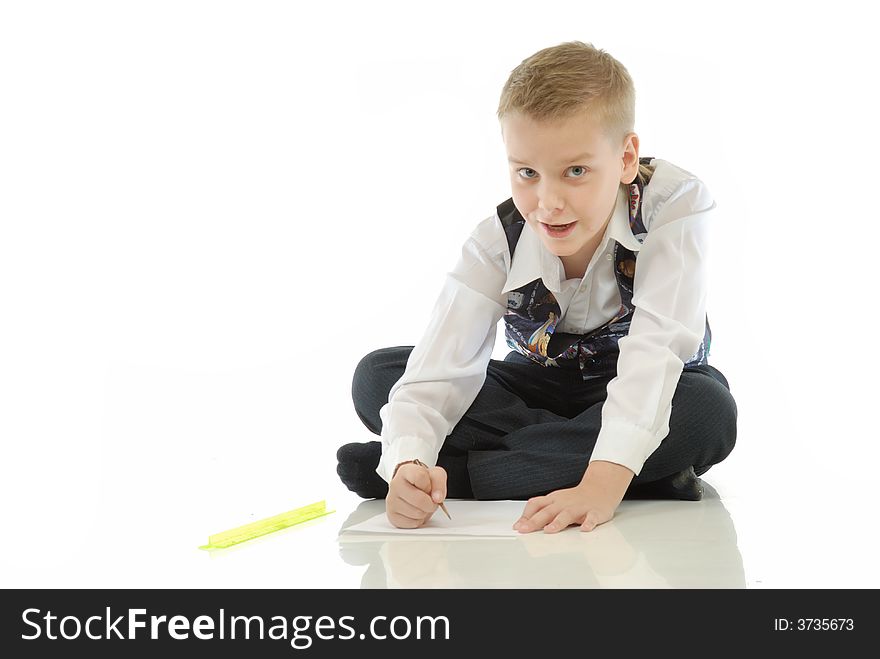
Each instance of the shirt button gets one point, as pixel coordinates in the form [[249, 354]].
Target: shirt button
[[608, 256]]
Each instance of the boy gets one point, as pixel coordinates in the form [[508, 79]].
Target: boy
[[607, 393]]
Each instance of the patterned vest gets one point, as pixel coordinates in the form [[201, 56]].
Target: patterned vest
[[533, 312]]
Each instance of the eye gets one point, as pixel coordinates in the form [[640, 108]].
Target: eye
[[529, 169]]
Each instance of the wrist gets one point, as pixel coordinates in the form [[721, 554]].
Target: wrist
[[609, 478]]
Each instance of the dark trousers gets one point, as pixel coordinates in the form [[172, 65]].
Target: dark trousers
[[532, 429]]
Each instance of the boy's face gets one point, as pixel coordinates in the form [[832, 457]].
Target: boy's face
[[553, 182]]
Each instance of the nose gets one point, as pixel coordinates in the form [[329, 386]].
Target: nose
[[549, 202]]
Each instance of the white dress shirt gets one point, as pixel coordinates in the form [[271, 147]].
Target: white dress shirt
[[447, 367]]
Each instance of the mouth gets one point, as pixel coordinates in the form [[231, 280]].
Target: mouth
[[559, 230]]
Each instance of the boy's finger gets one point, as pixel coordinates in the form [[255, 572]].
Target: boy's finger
[[405, 508], [417, 497], [533, 506], [591, 521], [538, 520], [438, 484], [417, 476], [560, 522]]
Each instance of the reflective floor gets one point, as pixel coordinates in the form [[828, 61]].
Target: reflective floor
[[649, 544], [147, 536]]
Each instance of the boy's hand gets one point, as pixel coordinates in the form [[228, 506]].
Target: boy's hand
[[591, 503], [414, 493]]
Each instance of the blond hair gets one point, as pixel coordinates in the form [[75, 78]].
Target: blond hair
[[573, 78]]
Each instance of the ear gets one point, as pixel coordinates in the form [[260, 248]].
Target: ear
[[630, 159]]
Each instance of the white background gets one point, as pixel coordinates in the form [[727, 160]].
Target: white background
[[210, 211]]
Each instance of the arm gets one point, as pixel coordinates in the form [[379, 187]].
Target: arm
[[670, 291], [667, 327], [443, 375]]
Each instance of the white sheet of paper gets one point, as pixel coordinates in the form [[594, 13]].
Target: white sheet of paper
[[477, 518]]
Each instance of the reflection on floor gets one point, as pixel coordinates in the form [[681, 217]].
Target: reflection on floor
[[648, 544]]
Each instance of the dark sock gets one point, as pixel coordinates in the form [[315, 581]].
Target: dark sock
[[357, 469], [684, 486]]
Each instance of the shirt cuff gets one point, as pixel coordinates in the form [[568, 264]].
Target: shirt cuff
[[403, 449], [624, 443]]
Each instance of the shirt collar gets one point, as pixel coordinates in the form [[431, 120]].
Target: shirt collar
[[532, 260]]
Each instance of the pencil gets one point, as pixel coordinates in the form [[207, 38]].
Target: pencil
[[442, 505]]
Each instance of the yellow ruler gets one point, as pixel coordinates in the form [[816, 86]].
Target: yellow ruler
[[268, 525]]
